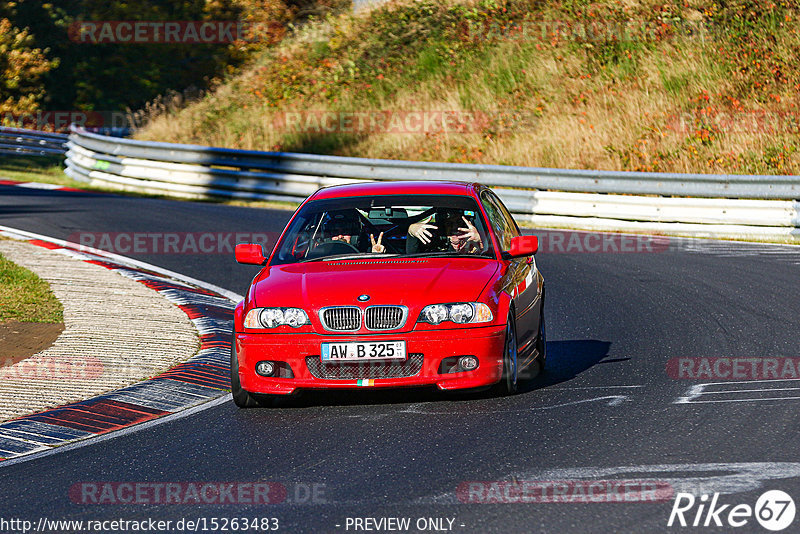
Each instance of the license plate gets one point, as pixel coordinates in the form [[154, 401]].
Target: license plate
[[359, 352]]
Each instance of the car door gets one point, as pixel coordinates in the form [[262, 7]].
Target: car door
[[521, 276]]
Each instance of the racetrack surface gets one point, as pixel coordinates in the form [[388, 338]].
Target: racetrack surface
[[605, 409]]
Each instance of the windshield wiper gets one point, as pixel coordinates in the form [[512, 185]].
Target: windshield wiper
[[443, 255], [350, 256]]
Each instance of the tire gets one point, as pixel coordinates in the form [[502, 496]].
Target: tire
[[241, 397], [509, 379], [541, 341]]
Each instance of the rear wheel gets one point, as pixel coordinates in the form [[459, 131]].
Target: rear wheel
[[508, 381], [241, 397]]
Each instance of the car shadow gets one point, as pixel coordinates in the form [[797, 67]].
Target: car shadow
[[565, 360]]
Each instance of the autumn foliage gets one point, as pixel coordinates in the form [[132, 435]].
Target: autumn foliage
[[44, 67], [21, 69]]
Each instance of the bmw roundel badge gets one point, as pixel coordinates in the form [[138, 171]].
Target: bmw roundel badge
[[363, 298]]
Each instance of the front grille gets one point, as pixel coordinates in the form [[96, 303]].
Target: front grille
[[385, 317], [359, 370], [341, 318]]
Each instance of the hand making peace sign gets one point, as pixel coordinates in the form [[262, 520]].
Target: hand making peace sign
[[376, 245]]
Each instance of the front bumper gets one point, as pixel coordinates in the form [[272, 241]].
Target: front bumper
[[486, 343]]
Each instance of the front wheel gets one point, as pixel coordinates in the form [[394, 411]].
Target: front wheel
[[508, 380], [541, 341], [241, 397]]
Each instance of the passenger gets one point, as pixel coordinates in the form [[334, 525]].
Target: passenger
[[459, 235]]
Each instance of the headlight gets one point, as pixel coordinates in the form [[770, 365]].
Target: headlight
[[274, 317], [295, 317], [271, 317], [460, 312], [434, 314]]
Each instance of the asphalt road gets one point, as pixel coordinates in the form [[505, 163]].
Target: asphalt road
[[606, 409]]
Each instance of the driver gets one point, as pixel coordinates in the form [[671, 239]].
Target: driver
[[340, 228], [344, 228]]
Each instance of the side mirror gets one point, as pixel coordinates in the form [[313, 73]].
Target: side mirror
[[524, 245], [250, 253]]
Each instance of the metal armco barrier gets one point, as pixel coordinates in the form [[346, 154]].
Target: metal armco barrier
[[31, 142], [728, 206]]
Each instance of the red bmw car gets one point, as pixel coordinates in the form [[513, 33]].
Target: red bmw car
[[391, 284]]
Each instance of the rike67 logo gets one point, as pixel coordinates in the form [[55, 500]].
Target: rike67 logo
[[774, 510]]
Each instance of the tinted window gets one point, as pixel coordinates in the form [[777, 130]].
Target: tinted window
[[503, 223], [385, 225]]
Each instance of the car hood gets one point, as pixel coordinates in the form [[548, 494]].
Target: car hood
[[408, 282]]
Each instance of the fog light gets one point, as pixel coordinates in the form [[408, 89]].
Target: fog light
[[265, 368], [468, 363]]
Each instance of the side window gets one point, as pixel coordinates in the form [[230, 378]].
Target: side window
[[511, 224], [503, 223]]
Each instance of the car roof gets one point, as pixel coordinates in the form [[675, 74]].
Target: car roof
[[410, 187]]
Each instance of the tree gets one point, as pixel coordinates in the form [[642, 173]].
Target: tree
[[21, 70]]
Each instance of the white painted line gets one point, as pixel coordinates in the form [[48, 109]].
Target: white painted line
[[725, 478], [706, 243], [40, 185], [124, 260], [590, 387], [749, 391], [613, 400], [741, 400], [117, 433], [693, 394]]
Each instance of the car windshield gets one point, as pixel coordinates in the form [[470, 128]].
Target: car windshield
[[383, 226]]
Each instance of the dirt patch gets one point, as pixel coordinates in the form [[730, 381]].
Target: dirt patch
[[22, 340]]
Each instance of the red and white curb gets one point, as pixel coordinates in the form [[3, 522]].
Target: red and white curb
[[41, 185], [203, 378]]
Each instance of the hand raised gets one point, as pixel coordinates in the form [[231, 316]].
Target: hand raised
[[422, 231], [376, 245], [470, 232]]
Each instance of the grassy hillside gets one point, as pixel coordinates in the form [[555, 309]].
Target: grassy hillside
[[686, 86]]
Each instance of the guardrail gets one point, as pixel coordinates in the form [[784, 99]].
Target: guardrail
[[727, 206], [32, 142]]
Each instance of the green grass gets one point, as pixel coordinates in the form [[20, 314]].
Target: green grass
[[25, 297], [44, 169]]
